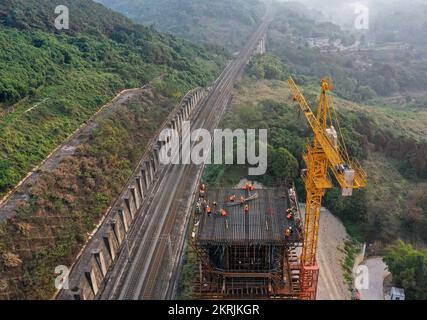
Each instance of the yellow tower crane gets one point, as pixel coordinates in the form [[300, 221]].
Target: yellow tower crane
[[325, 153]]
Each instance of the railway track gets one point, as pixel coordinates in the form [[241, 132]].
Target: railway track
[[147, 268]]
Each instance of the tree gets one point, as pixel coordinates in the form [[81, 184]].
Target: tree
[[409, 269], [284, 165]]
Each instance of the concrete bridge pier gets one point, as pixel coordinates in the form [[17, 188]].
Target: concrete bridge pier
[[140, 187], [102, 261], [153, 165], [161, 150], [133, 199], [180, 119], [117, 228], [129, 208], [110, 241], [187, 113], [125, 219], [191, 103], [174, 125], [93, 276], [149, 168]]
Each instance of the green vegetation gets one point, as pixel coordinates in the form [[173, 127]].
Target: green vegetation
[[186, 284], [409, 268], [351, 249], [267, 67], [221, 22], [52, 82], [282, 128], [66, 203]]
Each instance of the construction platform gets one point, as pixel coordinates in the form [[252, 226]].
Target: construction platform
[[265, 223], [247, 255]]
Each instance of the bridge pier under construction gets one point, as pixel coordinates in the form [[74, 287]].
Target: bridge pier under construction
[[247, 253]]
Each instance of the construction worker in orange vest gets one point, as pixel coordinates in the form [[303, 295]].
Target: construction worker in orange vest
[[223, 213], [208, 210], [247, 209], [242, 200], [232, 198]]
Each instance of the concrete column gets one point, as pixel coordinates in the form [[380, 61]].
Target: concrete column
[[91, 277], [153, 164], [190, 105], [179, 116], [157, 157], [150, 171], [161, 150], [187, 114], [85, 285], [140, 187], [118, 228], [154, 161], [136, 197], [110, 242], [125, 220], [130, 206], [176, 119], [184, 116], [100, 260], [144, 174]]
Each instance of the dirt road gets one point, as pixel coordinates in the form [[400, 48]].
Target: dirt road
[[330, 256]]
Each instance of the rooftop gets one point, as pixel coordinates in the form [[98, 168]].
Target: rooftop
[[265, 223]]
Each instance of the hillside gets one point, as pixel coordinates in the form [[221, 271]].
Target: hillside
[[52, 82], [224, 22]]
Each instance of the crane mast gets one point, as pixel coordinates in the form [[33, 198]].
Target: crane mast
[[322, 155]]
